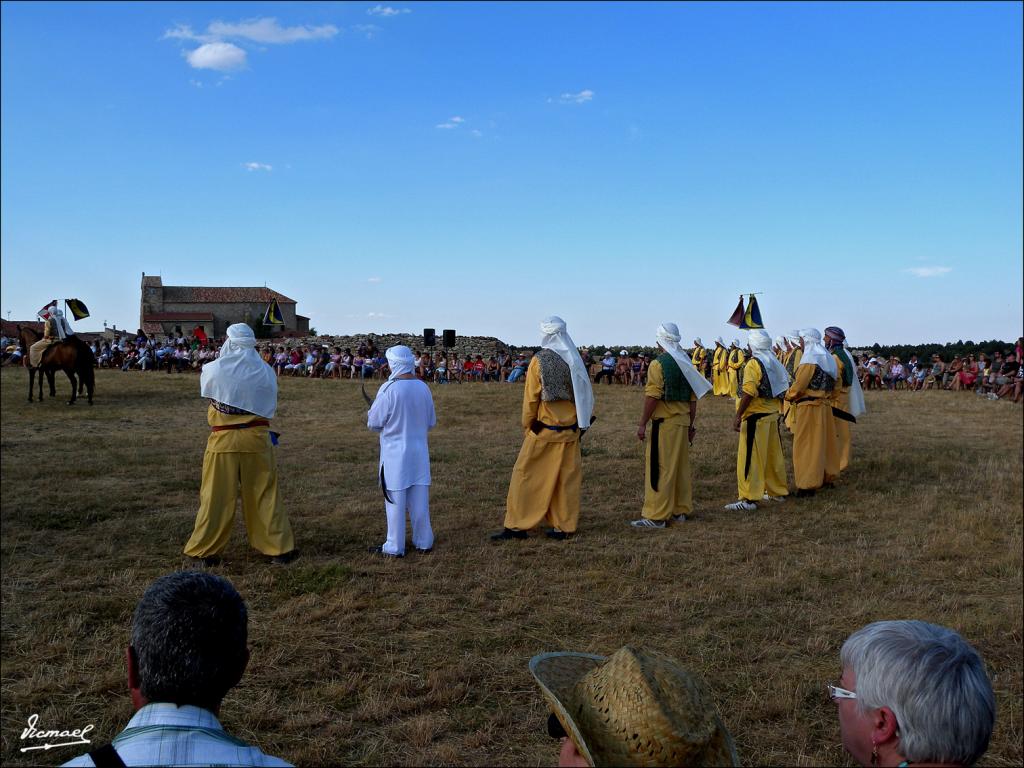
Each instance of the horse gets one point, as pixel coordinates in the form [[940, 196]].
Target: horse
[[72, 355]]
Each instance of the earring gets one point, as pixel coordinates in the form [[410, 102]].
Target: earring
[[874, 753]]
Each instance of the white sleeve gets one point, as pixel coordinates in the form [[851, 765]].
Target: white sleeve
[[380, 412]]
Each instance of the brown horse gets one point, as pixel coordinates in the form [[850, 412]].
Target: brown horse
[[73, 356]]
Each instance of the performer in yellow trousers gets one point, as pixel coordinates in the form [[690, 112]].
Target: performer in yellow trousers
[[815, 453], [558, 406], [791, 361], [670, 405], [737, 359], [719, 366], [760, 466], [699, 357], [242, 390], [848, 399]]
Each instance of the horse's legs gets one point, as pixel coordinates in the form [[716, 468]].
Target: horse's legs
[[32, 382], [50, 379], [74, 386]]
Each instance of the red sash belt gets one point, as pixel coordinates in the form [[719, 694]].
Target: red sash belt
[[256, 423]]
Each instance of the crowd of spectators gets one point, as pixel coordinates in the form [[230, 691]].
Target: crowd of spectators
[[997, 377]]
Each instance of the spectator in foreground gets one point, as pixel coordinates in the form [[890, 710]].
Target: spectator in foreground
[[633, 708], [913, 693], [189, 647]]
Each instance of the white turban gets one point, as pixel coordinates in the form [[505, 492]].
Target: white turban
[[400, 361], [668, 337], [780, 342], [557, 339], [815, 352], [761, 347], [239, 377], [794, 338], [719, 340], [735, 342], [697, 341]]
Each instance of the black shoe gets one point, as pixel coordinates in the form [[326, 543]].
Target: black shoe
[[557, 535], [380, 551], [804, 492], [829, 484], [508, 533], [285, 558], [424, 551]]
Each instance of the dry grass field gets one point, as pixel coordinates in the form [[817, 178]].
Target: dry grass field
[[366, 661]]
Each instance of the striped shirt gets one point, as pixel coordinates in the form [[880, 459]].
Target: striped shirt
[[166, 734]]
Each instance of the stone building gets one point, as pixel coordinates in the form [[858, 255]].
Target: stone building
[[169, 308]]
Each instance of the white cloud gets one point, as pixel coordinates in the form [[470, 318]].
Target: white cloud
[[447, 126], [928, 271], [456, 119], [376, 315], [476, 133], [451, 122], [195, 83], [223, 57], [368, 30], [373, 279], [386, 10], [252, 166], [184, 32], [577, 98], [267, 30]]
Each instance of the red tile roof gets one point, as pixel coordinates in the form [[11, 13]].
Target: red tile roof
[[184, 294], [168, 317], [10, 327]]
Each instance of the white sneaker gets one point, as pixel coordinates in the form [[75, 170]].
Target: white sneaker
[[993, 396], [741, 506], [679, 518], [643, 522], [766, 497]]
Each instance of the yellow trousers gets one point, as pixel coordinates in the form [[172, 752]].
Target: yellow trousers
[[675, 489], [843, 431], [762, 469], [545, 485], [733, 382], [719, 383], [815, 452], [265, 520]]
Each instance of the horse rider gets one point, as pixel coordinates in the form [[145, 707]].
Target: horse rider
[[55, 330]]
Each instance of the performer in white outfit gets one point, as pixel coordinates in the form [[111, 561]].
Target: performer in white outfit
[[403, 413]]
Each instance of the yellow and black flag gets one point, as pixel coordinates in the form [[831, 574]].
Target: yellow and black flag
[[273, 314], [752, 317], [77, 308]]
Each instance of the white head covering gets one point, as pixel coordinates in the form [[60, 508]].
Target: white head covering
[[761, 347], [815, 352], [780, 342], [794, 338], [697, 342], [400, 360], [668, 337], [557, 339], [239, 377], [735, 342], [719, 340], [857, 405]]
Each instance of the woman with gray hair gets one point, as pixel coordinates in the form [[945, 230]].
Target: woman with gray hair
[[913, 693]]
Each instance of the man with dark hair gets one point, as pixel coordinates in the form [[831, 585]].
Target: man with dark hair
[[189, 647]]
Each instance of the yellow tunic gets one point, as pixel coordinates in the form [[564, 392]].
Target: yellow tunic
[[841, 401], [545, 485], [737, 359], [698, 357], [239, 459], [719, 378], [765, 469], [794, 355], [815, 453], [675, 489]]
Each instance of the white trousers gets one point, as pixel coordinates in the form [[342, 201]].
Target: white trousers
[[415, 498]]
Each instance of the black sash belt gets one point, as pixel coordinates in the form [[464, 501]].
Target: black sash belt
[[807, 400], [537, 426], [106, 757], [655, 458], [841, 414], [751, 422]]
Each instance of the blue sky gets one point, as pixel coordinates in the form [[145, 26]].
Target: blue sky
[[478, 166]]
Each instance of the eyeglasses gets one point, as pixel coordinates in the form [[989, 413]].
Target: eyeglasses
[[835, 692]]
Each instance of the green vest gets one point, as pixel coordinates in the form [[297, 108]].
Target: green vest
[[676, 385], [847, 365]]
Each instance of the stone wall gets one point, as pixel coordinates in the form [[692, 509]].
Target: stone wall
[[464, 345]]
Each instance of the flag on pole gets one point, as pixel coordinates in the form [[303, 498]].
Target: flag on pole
[[273, 314], [77, 308], [45, 312], [752, 317], [737, 315]]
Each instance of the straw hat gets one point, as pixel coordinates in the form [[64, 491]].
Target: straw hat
[[634, 708]]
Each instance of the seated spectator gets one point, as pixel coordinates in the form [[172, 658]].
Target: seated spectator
[[425, 367], [1018, 381], [479, 367], [967, 376], [1005, 381], [633, 708], [874, 377], [493, 371], [518, 369], [381, 369], [189, 647], [897, 374], [607, 368], [933, 379], [441, 369], [913, 693], [294, 361], [622, 368], [309, 361], [346, 362], [950, 373], [146, 359], [333, 367], [105, 356]]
